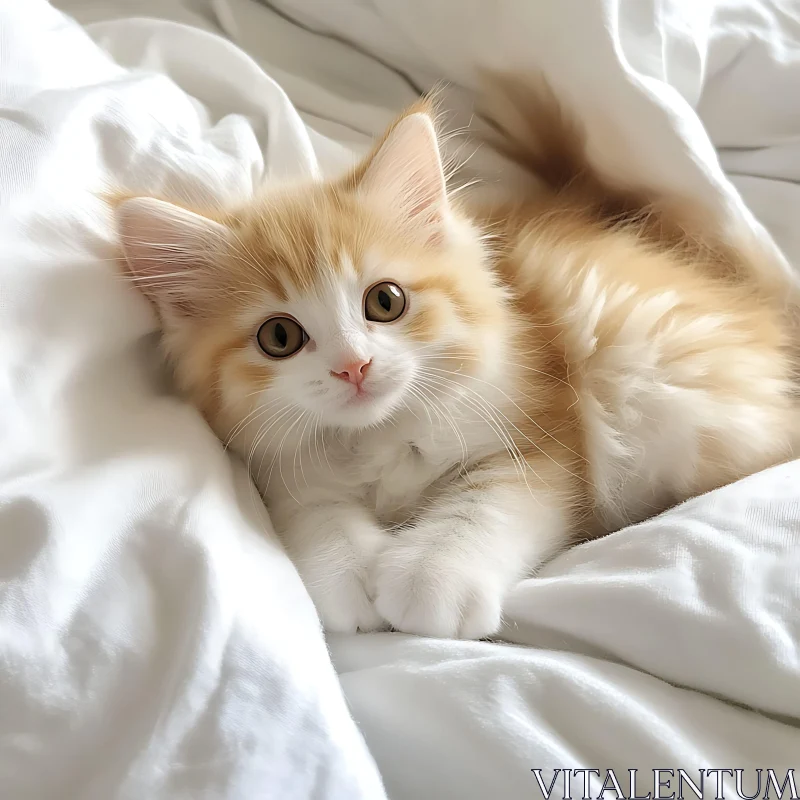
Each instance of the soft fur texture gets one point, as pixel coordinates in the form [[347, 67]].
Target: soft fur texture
[[563, 367]]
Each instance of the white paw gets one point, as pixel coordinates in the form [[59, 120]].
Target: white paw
[[336, 578], [434, 590], [343, 604]]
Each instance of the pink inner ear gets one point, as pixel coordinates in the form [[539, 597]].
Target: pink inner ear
[[406, 174], [425, 204], [170, 251]]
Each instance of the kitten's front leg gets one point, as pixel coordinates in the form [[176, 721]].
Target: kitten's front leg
[[334, 546], [448, 574]]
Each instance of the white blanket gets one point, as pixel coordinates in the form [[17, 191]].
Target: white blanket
[[154, 640]]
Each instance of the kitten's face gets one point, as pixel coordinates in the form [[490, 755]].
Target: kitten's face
[[347, 348], [335, 304]]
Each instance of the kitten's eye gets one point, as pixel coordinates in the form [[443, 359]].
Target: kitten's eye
[[281, 337], [385, 302]]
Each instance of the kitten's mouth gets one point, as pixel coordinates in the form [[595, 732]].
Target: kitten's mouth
[[362, 407], [361, 395]]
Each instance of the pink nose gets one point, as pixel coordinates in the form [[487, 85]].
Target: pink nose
[[354, 372]]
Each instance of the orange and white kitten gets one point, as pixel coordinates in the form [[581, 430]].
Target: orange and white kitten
[[431, 412]]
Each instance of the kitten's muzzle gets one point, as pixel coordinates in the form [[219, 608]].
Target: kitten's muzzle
[[354, 372]]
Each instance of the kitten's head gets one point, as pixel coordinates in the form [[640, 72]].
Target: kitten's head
[[346, 300]]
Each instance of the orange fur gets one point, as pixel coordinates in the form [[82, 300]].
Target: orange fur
[[625, 354], [593, 254], [546, 251]]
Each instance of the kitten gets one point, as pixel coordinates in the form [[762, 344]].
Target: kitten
[[434, 399]]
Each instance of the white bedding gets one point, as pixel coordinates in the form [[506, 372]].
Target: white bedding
[[154, 640]]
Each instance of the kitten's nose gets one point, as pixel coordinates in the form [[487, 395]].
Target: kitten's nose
[[354, 372]]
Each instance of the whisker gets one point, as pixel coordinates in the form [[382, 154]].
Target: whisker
[[516, 428], [277, 458], [299, 448], [286, 412], [449, 419], [496, 426], [521, 411]]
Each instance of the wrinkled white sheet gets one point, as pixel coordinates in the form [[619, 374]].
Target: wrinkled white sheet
[[152, 642]]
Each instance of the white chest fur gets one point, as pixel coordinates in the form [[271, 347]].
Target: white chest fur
[[391, 469]]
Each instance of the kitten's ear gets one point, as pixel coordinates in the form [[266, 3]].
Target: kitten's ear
[[171, 252], [406, 174]]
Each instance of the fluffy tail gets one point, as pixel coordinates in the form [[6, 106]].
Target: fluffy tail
[[533, 129]]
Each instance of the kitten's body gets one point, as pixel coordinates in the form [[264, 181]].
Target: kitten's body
[[584, 368]]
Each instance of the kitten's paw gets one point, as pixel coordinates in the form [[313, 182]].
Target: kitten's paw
[[438, 591], [335, 576], [345, 607]]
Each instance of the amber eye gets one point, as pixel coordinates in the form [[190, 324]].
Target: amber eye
[[385, 302], [281, 337]]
